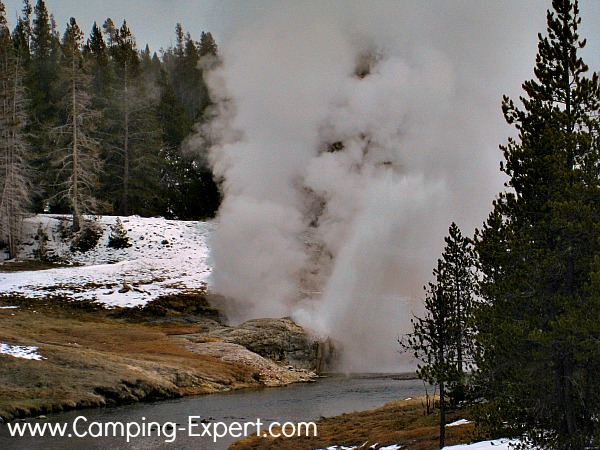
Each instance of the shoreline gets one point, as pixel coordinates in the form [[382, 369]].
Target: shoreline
[[94, 357]]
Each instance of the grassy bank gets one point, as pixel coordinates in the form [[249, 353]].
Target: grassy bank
[[96, 357], [402, 423]]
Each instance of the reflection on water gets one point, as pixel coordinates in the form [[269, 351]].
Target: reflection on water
[[301, 402]]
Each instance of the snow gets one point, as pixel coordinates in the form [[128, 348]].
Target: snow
[[20, 351], [167, 256], [374, 446], [498, 444], [458, 423]]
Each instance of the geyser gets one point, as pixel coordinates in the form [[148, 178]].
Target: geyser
[[349, 136]]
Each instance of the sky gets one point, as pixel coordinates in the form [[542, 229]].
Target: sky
[[153, 21]]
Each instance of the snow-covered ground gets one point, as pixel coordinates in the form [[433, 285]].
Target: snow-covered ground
[[166, 256]]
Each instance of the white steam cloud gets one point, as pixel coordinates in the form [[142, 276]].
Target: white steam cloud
[[349, 136]]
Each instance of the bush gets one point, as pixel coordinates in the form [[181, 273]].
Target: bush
[[118, 236], [87, 238]]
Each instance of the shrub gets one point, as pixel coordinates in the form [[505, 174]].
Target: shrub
[[87, 238], [118, 236]]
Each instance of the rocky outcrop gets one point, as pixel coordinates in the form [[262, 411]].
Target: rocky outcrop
[[268, 373], [280, 340]]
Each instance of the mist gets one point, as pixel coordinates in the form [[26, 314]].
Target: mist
[[349, 135]]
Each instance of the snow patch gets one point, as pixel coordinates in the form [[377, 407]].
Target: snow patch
[[458, 423], [20, 351], [498, 444], [374, 446]]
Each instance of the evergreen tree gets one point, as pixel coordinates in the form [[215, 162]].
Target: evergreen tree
[[15, 171], [441, 339], [133, 165], [97, 58], [458, 263], [192, 191], [208, 46], [118, 237], [186, 74], [22, 34], [102, 79], [538, 360], [42, 74], [77, 156]]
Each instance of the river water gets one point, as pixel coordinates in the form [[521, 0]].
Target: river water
[[327, 397]]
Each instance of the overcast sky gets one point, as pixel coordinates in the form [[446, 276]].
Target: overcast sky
[[153, 21]]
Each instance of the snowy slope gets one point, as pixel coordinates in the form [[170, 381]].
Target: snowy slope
[[167, 256]]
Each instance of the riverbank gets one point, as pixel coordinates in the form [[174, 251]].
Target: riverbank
[[400, 424], [88, 356]]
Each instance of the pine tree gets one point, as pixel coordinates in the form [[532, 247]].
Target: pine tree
[[118, 237], [41, 82], [77, 156], [459, 283], [186, 74], [535, 252], [134, 162], [442, 340], [97, 59], [192, 191], [22, 34], [208, 46], [15, 171]]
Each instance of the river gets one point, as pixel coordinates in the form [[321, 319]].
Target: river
[[329, 396]]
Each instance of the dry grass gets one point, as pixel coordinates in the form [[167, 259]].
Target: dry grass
[[96, 357], [30, 264], [401, 422]]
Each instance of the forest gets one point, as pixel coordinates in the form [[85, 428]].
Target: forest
[[97, 125]]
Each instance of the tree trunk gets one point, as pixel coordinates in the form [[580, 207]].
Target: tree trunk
[[442, 414], [75, 196], [126, 149]]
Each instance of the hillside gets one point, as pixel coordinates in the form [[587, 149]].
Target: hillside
[[166, 257], [113, 326]]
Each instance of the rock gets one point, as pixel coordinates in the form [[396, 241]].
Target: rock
[[267, 372], [280, 340], [125, 288]]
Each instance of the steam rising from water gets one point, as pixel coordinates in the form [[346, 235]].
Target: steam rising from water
[[349, 137]]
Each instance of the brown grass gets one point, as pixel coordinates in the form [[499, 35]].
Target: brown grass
[[401, 422], [95, 357], [31, 264]]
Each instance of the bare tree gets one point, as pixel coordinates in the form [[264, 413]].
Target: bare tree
[[15, 172], [76, 157]]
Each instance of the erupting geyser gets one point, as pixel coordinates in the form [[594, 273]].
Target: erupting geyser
[[348, 138]]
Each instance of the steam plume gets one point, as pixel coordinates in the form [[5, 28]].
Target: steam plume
[[349, 135]]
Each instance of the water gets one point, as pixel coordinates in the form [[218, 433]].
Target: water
[[301, 402]]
